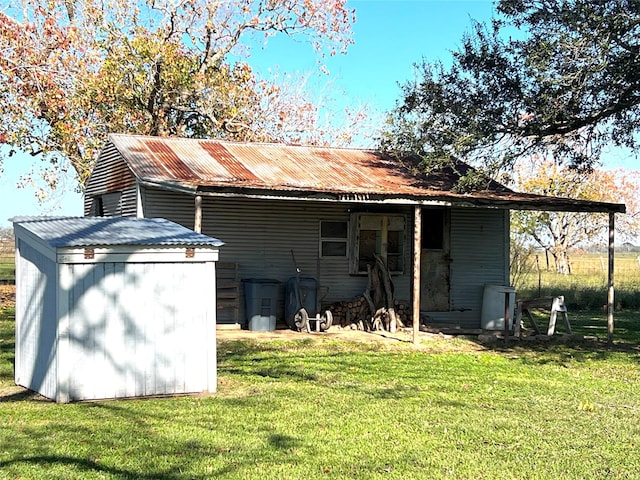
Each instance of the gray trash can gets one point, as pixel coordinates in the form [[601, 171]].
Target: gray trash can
[[260, 303]]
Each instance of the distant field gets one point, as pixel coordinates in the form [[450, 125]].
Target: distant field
[[586, 287], [7, 263], [627, 265]]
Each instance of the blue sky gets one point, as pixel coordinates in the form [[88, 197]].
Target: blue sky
[[390, 37]]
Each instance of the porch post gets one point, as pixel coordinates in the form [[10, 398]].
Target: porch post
[[610, 293], [417, 247], [197, 222]]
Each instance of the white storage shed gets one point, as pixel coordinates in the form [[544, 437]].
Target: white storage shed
[[114, 307]]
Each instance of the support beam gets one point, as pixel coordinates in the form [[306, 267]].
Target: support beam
[[611, 293], [197, 221], [417, 250]]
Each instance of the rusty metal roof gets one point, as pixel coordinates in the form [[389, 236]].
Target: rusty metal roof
[[288, 171]]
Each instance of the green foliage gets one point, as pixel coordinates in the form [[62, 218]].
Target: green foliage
[[521, 261], [556, 78]]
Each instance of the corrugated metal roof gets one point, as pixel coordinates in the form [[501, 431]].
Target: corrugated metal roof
[[61, 232], [212, 166]]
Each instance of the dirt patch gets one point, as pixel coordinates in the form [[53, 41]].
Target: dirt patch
[[403, 337], [333, 333]]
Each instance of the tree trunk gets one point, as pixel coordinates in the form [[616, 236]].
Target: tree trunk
[[563, 266]]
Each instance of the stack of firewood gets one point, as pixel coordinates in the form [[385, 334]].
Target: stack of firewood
[[376, 308], [356, 314]]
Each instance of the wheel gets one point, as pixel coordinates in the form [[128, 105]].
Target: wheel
[[301, 320], [326, 320]]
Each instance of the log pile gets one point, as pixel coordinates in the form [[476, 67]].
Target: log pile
[[355, 314], [376, 308]]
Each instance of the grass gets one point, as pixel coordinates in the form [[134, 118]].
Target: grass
[[7, 265], [326, 408], [7, 272]]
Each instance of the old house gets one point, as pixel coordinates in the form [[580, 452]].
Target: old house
[[326, 211]]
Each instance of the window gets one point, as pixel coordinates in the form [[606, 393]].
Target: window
[[97, 207], [333, 239], [106, 205], [381, 235], [433, 222]]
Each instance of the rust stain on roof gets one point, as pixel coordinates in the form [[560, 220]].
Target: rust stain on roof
[[168, 160], [275, 169], [235, 167], [209, 163]]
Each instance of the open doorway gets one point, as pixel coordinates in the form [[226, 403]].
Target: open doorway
[[435, 260]]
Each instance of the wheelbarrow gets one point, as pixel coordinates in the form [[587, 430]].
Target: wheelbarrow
[[301, 306]]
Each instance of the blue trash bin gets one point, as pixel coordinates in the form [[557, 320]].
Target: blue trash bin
[[261, 303]]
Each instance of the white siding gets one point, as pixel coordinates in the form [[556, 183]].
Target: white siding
[[36, 326], [97, 328], [127, 335]]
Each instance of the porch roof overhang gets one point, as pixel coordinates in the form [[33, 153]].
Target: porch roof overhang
[[286, 172], [512, 201]]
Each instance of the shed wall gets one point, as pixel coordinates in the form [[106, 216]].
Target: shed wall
[[123, 334], [480, 255], [260, 235], [36, 321]]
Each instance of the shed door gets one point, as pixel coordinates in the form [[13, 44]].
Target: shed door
[[435, 264]]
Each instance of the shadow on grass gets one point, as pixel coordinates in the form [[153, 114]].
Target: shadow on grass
[[283, 442], [19, 394], [87, 465], [133, 436]]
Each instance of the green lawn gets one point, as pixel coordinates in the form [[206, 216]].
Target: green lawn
[[447, 408]]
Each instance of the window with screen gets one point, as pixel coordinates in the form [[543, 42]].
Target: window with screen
[[333, 238]]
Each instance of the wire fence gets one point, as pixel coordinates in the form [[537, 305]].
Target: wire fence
[[626, 263], [7, 261]]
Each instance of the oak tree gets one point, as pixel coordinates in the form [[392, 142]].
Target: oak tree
[[557, 78]]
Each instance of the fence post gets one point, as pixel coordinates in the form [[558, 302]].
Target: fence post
[[610, 292]]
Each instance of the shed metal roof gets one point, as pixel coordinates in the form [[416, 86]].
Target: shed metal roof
[[61, 232], [288, 171]]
